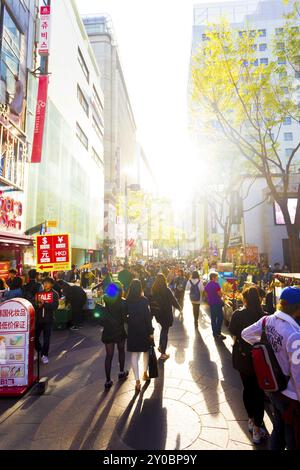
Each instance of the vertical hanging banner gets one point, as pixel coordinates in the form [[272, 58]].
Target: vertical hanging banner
[[40, 116], [45, 24]]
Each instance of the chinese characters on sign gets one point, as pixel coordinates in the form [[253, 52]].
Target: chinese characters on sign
[[53, 253], [45, 14], [14, 344]]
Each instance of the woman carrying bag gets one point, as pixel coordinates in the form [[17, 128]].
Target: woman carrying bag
[[140, 330]]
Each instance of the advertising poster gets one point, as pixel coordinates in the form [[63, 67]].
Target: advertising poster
[[53, 252]]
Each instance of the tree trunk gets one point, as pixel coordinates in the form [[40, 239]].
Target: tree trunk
[[227, 232], [294, 247]]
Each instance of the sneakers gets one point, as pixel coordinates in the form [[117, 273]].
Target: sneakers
[[164, 357], [108, 384], [74, 328], [259, 434], [221, 337], [45, 360]]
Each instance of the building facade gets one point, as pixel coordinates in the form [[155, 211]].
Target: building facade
[[266, 18], [119, 124], [17, 62], [68, 185]]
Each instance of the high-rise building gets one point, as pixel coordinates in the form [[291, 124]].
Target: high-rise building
[[68, 185], [17, 62], [119, 123], [266, 18]]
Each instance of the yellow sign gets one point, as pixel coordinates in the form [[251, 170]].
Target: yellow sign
[[52, 223]]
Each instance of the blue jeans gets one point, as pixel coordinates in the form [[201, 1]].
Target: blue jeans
[[216, 315], [283, 435]]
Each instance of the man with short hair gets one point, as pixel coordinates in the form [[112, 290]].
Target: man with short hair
[[215, 301], [12, 274], [32, 287], [44, 317]]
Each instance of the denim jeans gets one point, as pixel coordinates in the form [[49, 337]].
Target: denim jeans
[[216, 315], [283, 434]]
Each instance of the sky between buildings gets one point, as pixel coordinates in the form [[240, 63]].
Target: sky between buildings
[[154, 38]]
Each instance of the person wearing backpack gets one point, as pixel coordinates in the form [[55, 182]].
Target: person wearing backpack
[[253, 395], [195, 287], [280, 333], [180, 283]]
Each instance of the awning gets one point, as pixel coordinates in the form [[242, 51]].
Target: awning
[[287, 276], [15, 239]]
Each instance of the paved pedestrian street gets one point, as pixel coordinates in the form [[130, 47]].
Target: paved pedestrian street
[[196, 403]]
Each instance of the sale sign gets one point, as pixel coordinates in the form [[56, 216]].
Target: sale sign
[[46, 297], [53, 252], [44, 41]]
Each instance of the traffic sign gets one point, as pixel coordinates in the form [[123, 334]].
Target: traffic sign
[[53, 252]]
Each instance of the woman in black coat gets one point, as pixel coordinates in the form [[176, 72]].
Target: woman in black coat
[[162, 303], [140, 330], [112, 319]]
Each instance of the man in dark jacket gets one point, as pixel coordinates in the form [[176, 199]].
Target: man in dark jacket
[[125, 277], [47, 303], [77, 298], [32, 287]]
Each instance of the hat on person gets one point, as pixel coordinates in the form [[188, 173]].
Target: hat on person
[[291, 295]]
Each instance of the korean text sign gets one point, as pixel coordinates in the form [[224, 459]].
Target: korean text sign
[[53, 252], [45, 27]]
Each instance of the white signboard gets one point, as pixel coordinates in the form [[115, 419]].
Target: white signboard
[[44, 41], [14, 344]]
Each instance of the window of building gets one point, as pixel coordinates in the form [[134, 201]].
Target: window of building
[[281, 61], [288, 136], [81, 136], [96, 157], [10, 55], [262, 33], [254, 47], [204, 37], [97, 128], [83, 65], [287, 121], [263, 47], [83, 102], [288, 152], [255, 63], [264, 60], [252, 33]]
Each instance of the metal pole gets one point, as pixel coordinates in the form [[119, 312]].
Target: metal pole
[[126, 221], [44, 67]]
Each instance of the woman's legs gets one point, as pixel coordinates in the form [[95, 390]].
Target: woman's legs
[[253, 398], [110, 349], [163, 340], [146, 362], [121, 351], [135, 357]]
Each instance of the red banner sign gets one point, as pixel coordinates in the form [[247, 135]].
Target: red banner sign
[[40, 116], [53, 252], [46, 297]]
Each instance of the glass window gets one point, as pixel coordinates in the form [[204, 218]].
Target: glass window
[[97, 158], [263, 47], [288, 152], [83, 102], [97, 103], [287, 121], [81, 136], [10, 53], [264, 61], [262, 33], [288, 136], [97, 128], [83, 65], [255, 63], [281, 61]]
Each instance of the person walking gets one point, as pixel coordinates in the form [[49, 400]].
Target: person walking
[[214, 297], [195, 287], [125, 277], [283, 334], [180, 283], [44, 318], [253, 395], [140, 330], [162, 302], [112, 319]]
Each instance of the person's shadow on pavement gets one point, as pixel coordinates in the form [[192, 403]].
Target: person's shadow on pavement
[[146, 426]]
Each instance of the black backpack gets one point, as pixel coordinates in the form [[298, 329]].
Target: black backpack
[[195, 295]]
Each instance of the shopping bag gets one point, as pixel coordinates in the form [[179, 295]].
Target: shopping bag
[[153, 369]]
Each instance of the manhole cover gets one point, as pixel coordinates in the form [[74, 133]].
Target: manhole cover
[[158, 423]]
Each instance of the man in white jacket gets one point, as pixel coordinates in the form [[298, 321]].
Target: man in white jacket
[[283, 333]]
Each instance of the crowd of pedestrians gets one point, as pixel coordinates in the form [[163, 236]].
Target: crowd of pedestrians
[[145, 296]]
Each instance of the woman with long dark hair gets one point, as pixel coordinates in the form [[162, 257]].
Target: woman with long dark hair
[[140, 329], [112, 319], [253, 396], [162, 302]]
